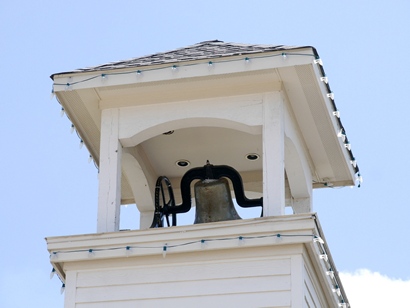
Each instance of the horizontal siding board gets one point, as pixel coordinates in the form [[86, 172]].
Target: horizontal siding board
[[279, 299], [185, 289], [183, 272]]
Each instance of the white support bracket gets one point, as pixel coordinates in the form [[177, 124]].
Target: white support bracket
[[302, 205]]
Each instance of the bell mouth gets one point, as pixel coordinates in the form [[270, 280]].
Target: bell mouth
[[214, 201]]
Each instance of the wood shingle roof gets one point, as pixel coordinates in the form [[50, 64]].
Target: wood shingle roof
[[200, 51]]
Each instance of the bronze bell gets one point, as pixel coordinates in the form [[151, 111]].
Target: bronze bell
[[213, 201]]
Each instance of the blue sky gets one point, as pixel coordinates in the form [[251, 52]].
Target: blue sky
[[48, 188]]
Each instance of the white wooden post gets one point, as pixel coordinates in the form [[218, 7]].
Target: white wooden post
[[297, 280], [273, 139], [70, 289], [109, 195]]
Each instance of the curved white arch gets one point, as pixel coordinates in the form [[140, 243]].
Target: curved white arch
[[144, 122], [163, 127], [295, 171]]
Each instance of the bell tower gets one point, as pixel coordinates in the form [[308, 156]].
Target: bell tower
[[201, 128]]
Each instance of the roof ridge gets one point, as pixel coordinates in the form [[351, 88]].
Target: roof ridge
[[210, 41]]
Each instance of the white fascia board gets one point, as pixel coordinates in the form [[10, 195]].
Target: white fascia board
[[220, 66], [315, 248], [221, 235], [329, 103]]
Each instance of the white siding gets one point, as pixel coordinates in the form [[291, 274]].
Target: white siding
[[235, 283], [261, 271], [313, 293]]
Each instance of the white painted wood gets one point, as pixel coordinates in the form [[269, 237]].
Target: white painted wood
[[236, 65], [298, 163], [189, 90], [333, 119], [236, 280], [139, 123], [312, 292], [245, 300], [187, 271], [146, 218], [273, 155], [109, 194], [309, 292], [199, 257], [302, 205], [142, 177], [75, 248], [261, 272], [178, 289], [297, 281], [70, 289], [315, 292]]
